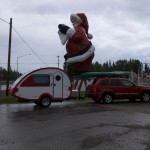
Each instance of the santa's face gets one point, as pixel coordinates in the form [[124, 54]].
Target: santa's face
[[74, 22]]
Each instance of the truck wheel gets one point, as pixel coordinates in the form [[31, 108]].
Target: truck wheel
[[145, 97], [45, 101], [107, 98]]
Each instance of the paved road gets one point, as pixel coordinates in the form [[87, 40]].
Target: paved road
[[3, 87], [75, 126]]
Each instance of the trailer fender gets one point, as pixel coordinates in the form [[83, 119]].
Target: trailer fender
[[45, 94]]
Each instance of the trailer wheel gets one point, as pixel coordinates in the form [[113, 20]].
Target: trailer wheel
[[45, 101]]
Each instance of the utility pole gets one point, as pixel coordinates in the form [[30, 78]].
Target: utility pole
[[58, 61], [9, 54]]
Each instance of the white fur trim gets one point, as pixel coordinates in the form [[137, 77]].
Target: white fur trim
[[81, 57], [70, 32], [75, 17], [63, 37], [90, 36]]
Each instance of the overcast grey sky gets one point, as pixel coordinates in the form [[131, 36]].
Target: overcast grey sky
[[120, 28]]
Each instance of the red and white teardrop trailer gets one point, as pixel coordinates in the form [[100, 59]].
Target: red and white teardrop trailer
[[43, 86]]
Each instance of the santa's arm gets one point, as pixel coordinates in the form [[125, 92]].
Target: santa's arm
[[62, 33], [66, 32], [63, 28], [63, 37], [76, 34]]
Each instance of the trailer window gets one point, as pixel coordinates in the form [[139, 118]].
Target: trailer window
[[58, 77], [41, 79]]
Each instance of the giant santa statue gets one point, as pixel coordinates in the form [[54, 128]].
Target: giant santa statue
[[80, 50]]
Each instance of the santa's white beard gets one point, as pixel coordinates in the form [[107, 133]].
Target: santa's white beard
[[75, 24]]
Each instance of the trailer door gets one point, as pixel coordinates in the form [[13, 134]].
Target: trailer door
[[58, 85]]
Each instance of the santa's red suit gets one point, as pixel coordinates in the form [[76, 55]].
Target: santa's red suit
[[80, 50]]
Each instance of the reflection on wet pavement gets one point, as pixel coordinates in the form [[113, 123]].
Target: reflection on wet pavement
[[75, 125]]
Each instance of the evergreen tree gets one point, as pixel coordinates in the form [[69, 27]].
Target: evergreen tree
[[70, 69], [13, 74], [120, 65]]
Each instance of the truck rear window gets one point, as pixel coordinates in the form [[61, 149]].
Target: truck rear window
[[104, 83]]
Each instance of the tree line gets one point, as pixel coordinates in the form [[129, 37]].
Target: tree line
[[120, 65], [13, 74]]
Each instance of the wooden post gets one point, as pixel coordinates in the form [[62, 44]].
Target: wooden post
[[9, 54]]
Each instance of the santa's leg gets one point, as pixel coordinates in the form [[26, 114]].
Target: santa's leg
[[84, 66]]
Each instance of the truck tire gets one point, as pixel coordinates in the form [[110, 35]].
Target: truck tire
[[108, 98], [145, 97], [45, 101]]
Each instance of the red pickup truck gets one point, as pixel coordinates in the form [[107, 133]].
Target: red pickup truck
[[107, 89]]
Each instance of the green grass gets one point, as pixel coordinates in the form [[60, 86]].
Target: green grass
[[8, 100], [12, 100], [4, 82]]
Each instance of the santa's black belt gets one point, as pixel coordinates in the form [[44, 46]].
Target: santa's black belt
[[81, 52]]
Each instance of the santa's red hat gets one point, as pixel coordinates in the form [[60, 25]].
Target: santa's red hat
[[81, 19]]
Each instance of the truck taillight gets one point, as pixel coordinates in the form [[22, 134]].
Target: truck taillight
[[94, 89]]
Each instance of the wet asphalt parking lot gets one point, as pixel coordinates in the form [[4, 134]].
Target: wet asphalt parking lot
[[75, 125]]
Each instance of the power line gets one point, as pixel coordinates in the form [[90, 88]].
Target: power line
[[25, 43], [30, 63], [4, 21], [29, 47]]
